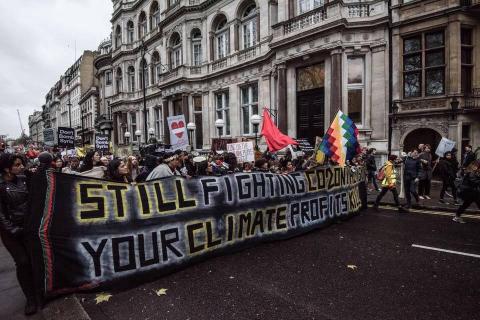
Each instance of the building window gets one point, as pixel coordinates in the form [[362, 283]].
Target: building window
[[156, 67], [154, 15], [171, 3], [424, 65], [118, 37], [131, 79], [142, 25], [223, 110], [108, 78], [143, 74], [176, 51], [355, 88], [249, 104], [307, 5], [130, 32], [177, 107], [133, 125], [118, 80], [158, 122], [249, 26], [197, 114], [221, 38], [467, 60], [196, 47]]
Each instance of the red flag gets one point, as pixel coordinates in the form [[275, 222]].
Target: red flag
[[275, 139]]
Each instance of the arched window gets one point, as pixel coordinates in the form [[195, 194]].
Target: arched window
[[118, 37], [249, 26], [176, 51], [154, 15], [196, 47], [143, 74], [307, 5], [221, 37], [156, 67], [130, 32], [118, 80], [131, 79], [142, 25]]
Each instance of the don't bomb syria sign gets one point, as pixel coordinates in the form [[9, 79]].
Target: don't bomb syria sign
[[96, 233]]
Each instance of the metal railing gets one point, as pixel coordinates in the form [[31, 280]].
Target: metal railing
[[305, 20], [472, 99]]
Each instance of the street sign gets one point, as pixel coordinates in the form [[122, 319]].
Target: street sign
[[66, 137]]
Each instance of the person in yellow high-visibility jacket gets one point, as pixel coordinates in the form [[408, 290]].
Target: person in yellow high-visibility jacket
[[389, 182]]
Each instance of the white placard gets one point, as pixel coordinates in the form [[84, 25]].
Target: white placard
[[445, 145], [242, 150], [178, 132]]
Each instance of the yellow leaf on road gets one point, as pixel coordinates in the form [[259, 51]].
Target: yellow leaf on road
[[102, 297], [161, 292]]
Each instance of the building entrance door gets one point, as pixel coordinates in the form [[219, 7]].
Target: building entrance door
[[311, 102], [310, 114]]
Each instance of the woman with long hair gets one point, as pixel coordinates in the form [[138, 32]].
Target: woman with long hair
[[92, 159], [13, 211], [117, 171], [57, 164], [133, 167]]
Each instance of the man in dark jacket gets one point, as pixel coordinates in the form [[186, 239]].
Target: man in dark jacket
[[469, 191], [447, 168], [372, 167], [469, 157], [411, 173]]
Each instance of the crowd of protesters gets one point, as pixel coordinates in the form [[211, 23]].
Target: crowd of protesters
[[22, 171], [462, 180]]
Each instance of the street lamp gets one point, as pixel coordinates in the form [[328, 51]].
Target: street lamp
[[220, 123], [151, 133], [255, 120], [191, 127], [127, 137], [138, 133]]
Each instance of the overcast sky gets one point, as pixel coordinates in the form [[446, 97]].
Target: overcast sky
[[37, 45]]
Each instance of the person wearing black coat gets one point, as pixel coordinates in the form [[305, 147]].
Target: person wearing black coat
[[372, 168], [411, 173], [13, 212], [447, 168], [469, 191]]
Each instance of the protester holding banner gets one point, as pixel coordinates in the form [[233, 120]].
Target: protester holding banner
[[117, 171], [57, 164], [13, 211], [92, 159], [166, 169], [133, 168], [73, 165]]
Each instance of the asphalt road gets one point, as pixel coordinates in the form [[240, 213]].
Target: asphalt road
[[308, 277]]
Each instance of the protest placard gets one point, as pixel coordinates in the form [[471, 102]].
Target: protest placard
[[66, 137], [242, 150]]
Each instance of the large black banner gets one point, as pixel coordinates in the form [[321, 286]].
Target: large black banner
[[96, 233]]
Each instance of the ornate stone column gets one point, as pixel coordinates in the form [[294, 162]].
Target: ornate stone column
[[336, 83], [185, 108], [282, 98]]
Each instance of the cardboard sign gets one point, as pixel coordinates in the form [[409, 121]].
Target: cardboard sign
[[102, 142], [178, 132], [49, 137], [304, 145], [66, 137], [242, 150], [445, 145]]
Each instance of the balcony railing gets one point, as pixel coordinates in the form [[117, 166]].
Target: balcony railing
[[466, 3], [358, 10], [305, 20], [472, 100]]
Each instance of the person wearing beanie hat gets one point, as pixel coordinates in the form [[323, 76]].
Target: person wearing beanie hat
[[166, 169]]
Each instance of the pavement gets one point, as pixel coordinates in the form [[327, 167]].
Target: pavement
[[377, 265], [432, 204]]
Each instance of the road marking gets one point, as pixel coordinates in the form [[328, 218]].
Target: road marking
[[436, 213], [448, 251]]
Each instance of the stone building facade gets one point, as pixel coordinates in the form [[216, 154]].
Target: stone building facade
[[209, 60], [436, 78], [35, 126]]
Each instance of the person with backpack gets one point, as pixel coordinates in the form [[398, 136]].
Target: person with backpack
[[388, 176], [411, 172]]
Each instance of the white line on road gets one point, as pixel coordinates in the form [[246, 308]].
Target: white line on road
[[436, 213], [448, 251]]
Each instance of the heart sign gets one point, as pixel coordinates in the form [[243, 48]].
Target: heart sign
[[178, 128]]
